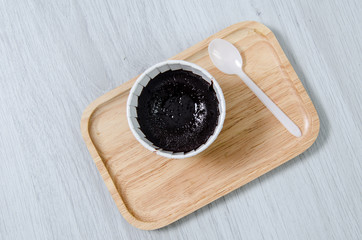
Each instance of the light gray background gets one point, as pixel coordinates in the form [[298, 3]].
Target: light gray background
[[58, 56]]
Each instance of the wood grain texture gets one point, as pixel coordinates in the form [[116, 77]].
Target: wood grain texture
[[57, 56], [151, 191]]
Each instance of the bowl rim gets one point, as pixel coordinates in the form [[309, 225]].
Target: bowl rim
[[148, 145]]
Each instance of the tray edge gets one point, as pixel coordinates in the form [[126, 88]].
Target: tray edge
[[92, 107]]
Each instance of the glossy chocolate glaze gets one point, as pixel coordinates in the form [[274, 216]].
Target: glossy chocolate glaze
[[178, 111]]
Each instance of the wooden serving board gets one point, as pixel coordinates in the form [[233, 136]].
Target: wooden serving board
[[151, 191]]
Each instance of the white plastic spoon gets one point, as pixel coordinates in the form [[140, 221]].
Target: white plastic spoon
[[226, 58]]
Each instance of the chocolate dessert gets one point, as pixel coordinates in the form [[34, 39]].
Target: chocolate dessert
[[178, 111]]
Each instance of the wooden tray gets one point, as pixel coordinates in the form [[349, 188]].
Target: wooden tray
[[151, 191]]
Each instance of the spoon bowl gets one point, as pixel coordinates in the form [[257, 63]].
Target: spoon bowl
[[225, 56]]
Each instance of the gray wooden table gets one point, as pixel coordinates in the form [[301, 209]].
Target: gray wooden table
[[58, 56]]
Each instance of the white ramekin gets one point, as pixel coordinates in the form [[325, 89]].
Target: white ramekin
[[143, 80]]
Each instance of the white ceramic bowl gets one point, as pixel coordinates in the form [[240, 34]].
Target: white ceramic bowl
[[143, 80]]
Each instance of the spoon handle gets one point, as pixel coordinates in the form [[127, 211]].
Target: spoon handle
[[277, 112]]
